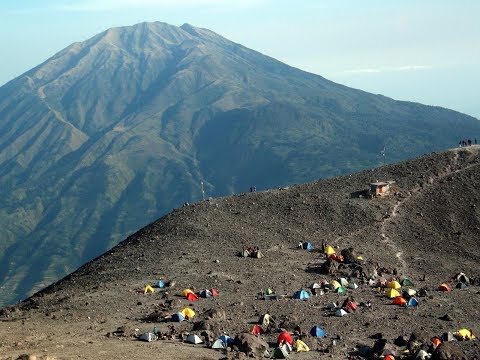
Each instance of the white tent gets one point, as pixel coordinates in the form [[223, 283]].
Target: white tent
[[194, 339]]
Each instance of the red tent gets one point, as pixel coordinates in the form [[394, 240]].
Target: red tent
[[257, 330], [444, 287], [191, 297], [351, 306], [214, 292], [285, 337]]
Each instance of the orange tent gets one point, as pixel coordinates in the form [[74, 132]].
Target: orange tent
[[191, 297], [389, 357], [444, 287], [399, 301]]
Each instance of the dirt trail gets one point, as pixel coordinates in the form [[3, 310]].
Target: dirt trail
[[417, 191]]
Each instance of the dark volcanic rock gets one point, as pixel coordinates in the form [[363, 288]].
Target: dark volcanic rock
[[448, 351]]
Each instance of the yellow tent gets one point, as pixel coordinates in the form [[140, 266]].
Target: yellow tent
[[329, 250], [394, 285], [465, 334], [335, 284], [186, 292], [301, 346], [392, 293], [188, 313], [148, 289]]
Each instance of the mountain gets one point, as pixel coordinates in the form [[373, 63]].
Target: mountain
[[111, 133], [426, 230]]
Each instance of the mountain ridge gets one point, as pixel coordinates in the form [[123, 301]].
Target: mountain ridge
[[428, 218]]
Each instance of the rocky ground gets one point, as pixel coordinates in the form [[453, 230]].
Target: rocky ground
[[427, 232]]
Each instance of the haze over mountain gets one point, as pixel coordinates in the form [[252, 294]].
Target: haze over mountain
[[111, 133]]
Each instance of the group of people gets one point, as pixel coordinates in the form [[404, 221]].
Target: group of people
[[467, 142]]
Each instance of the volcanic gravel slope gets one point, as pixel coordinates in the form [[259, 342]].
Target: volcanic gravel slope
[[428, 232]]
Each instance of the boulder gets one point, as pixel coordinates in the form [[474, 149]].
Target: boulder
[[250, 344], [349, 256], [448, 351], [329, 267]]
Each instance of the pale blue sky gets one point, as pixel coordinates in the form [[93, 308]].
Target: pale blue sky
[[420, 50]]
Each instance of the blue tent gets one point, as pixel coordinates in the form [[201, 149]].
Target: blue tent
[[226, 339], [412, 302], [317, 331], [301, 294], [206, 293], [161, 284], [178, 317], [307, 246]]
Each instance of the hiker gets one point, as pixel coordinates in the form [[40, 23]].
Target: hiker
[[469, 142], [475, 141]]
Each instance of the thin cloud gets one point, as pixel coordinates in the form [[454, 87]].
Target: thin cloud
[[388, 69], [110, 5]]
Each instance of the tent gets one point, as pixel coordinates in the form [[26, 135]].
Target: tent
[[265, 320], [187, 291], [422, 355], [258, 254], [343, 282], [178, 317], [444, 287], [307, 246], [161, 284], [341, 290], [389, 357], [245, 253], [226, 339], [464, 334], [268, 291], [148, 289], [353, 286], [331, 306], [399, 301], [194, 339], [340, 313], [188, 313], [412, 302], [461, 277], [148, 336], [205, 293], [219, 344], [257, 330], [329, 250], [317, 331], [301, 346], [351, 306], [392, 293], [335, 284], [406, 282], [191, 297], [394, 285], [214, 292], [410, 292], [285, 337], [315, 286], [461, 285], [280, 353], [301, 294]]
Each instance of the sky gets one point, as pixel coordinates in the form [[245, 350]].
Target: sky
[[425, 51]]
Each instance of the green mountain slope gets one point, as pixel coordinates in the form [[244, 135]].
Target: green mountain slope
[[111, 133]]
